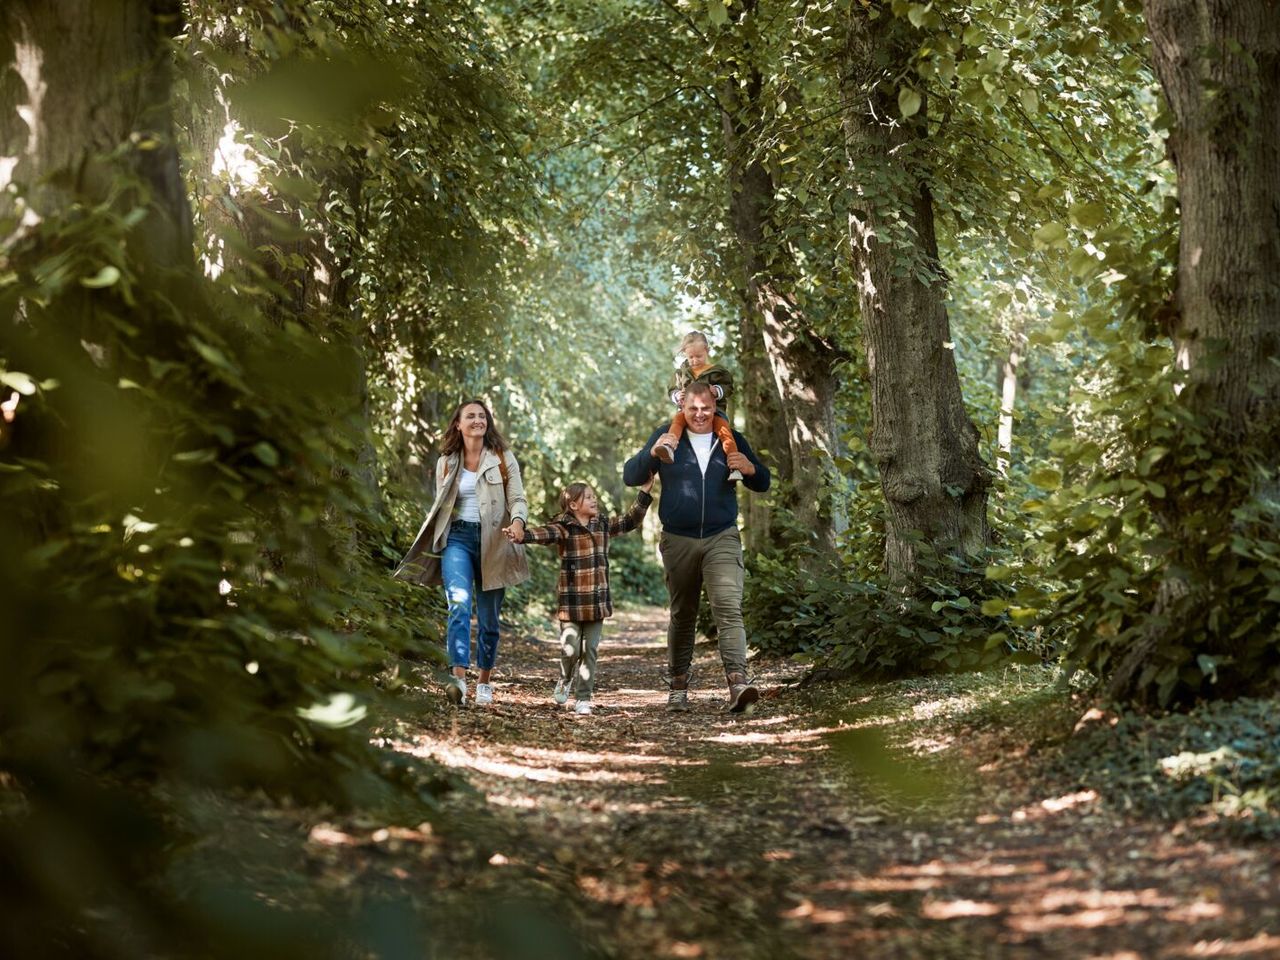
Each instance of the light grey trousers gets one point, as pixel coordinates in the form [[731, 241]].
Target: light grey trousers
[[579, 646]]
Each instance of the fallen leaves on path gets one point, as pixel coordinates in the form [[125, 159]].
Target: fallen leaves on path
[[898, 821]]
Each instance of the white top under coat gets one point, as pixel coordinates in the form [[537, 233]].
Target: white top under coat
[[467, 507]]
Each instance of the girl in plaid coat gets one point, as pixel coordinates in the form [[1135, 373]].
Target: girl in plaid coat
[[582, 537]]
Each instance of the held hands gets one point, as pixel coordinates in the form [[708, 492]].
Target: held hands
[[515, 534], [740, 461]]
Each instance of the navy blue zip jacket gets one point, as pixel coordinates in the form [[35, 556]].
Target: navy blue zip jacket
[[693, 505]]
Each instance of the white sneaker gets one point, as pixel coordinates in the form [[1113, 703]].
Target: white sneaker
[[561, 693], [484, 694], [582, 708], [455, 688]]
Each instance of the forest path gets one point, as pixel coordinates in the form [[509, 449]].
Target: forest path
[[804, 829]]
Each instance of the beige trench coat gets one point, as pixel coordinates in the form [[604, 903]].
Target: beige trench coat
[[502, 563]]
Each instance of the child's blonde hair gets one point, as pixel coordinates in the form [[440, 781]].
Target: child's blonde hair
[[693, 336], [572, 494]]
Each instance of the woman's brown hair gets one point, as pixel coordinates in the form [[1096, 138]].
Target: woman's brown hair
[[452, 442]]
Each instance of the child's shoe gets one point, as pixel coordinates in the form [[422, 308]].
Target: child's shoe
[[735, 476], [484, 694], [666, 453], [582, 708], [561, 693]]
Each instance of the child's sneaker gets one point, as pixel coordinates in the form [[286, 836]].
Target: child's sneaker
[[735, 476], [582, 708], [484, 694], [666, 453], [561, 693], [455, 688]]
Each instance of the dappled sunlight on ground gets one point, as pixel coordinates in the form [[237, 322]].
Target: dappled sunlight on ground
[[773, 738], [821, 825]]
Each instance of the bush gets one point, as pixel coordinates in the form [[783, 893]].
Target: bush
[[839, 612]]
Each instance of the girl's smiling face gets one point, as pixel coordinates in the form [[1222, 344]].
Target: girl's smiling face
[[586, 505]]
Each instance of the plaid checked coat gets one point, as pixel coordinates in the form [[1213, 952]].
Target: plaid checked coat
[[583, 590]]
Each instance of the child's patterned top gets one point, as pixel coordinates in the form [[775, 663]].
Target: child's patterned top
[[583, 589]]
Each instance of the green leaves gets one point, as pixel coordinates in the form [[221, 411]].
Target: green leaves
[[106, 277], [717, 12], [909, 101], [1049, 235], [1088, 216], [337, 711], [1047, 478], [19, 381]]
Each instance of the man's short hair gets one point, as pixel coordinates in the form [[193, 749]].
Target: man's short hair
[[698, 388]]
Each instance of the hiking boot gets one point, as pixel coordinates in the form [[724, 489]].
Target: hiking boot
[[484, 694], [742, 693], [561, 693], [678, 696], [666, 453], [455, 688]]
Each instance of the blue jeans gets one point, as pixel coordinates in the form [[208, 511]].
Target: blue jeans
[[460, 571]]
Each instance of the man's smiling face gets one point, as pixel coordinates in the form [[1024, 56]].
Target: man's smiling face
[[699, 410]]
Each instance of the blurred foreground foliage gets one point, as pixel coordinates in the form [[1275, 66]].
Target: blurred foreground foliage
[[195, 597]]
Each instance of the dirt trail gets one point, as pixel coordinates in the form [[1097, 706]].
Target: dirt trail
[[777, 835]]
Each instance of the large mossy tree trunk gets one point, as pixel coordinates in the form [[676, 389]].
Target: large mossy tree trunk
[[86, 144], [1218, 62], [1219, 65], [926, 447], [800, 362], [84, 80]]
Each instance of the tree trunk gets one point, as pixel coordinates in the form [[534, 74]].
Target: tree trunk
[[1012, 376], [1226, 149], [1219, 65], [799, 361], [84, 79], [934, 479], [762, 413]]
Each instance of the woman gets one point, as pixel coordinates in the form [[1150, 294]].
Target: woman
[[463, 543]]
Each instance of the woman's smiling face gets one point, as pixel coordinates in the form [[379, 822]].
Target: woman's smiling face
[[473, 421]]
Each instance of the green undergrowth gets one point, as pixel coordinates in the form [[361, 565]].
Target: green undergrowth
[[1217, 765], [924, 742]]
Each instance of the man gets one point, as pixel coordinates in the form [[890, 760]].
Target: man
[[700, 542]]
